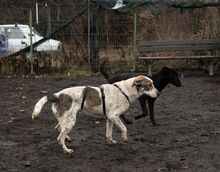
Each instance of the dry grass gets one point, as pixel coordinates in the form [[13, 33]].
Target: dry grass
[[115, 34]]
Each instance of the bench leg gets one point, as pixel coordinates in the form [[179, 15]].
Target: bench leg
[[211, 73], [149, 70]]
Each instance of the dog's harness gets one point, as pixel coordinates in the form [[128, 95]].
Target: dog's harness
[[83, 99], [122, 92], [103, 100]]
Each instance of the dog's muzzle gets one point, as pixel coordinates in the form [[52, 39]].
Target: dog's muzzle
[[153, 93]]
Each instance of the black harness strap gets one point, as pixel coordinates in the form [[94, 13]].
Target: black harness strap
[[122, 92], [103, 100], [103, 97], [83, 99]]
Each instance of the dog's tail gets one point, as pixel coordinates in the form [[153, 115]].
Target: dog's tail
[[39, 105], [103, 69]]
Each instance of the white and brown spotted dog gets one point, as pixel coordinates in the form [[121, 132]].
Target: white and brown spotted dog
[[110, 99]]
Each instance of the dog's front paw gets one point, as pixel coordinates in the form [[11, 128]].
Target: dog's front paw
[[125, 140], [111, 141], [68, 151]]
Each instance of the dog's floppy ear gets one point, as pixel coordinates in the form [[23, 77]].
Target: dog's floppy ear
[[139, 81]]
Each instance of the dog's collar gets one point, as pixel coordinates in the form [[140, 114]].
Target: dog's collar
[[122, 92], [103, 100]]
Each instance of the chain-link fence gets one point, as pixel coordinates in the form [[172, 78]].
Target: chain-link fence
[[79, 45]]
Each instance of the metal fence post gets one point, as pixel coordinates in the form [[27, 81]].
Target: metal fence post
[[89, 55], [134, 63], [48, 19], [37, 14], [31, 44]]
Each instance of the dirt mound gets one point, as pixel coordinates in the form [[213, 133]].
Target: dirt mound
[[187, 139]]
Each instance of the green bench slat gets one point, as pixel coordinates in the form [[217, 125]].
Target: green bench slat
[[179, 48], [177, 42], [178, 57]]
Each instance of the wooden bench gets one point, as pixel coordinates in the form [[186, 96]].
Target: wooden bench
[[208, 46]]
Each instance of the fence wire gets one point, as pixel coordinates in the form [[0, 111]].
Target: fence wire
[[80, 45]]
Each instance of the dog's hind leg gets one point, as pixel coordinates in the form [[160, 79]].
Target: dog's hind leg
[[56, 114], [65, 129], [109, 127], [62, 142], [66, 124], [68, 138]]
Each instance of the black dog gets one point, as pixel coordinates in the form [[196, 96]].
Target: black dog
[[160, 79]]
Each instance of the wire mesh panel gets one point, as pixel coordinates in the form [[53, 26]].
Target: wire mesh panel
[[81, 42]]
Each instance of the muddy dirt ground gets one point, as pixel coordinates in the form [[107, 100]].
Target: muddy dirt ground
[[188, 138]]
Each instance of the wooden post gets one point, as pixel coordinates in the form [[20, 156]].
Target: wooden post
[[31, 44], [134, 43], [89, 57], [37, 16], [149, 72], [48, 19], [210, 61], [211, 73]]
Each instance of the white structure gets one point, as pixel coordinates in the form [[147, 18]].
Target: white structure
[[19, 38], [118, 4]]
